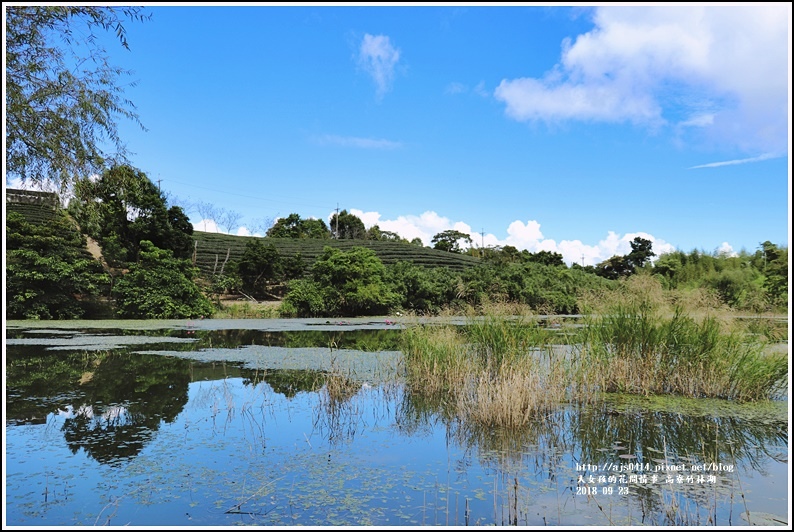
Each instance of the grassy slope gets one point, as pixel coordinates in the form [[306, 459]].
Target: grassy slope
[[212, 248]]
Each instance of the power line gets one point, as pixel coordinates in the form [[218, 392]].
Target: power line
[[249, 196]]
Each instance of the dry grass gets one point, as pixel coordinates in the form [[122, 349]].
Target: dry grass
[[495, 371]]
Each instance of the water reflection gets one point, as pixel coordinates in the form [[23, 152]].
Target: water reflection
[[287, 431]]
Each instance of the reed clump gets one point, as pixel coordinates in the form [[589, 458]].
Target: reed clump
[[493, 370], [638, 344]]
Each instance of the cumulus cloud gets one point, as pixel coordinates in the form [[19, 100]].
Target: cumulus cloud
[[357, 142], [719, 70], [521, 235], [425, 226], [727, 249], [207, 225], [379, 59]]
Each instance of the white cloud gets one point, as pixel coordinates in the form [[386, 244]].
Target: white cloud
[[763, 157], [357, 142], [65, 194], [521, 235], [456, 88], [727, 250], [460, 88], [207, 225], [379, 58], [721, 69], [424, 226]]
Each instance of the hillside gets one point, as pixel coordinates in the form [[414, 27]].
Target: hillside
[[212, 248], [35, 206]]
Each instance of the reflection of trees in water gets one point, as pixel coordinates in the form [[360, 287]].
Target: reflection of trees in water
[[667, 438], [288, 382], [129, 395], [369, 340], [113, 400], [39, 382]]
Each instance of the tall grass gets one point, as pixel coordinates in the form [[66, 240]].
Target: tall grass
[[493, 371], [502, 368], [642, 343]]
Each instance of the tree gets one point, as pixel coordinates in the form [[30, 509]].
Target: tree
[[348, 226], [63, 98], [49, 272], [343, 283], [293, 226], [614, 267], [549, 258], [449, 240], [641, 253], [122, 208], [208, 211], [160, 286], [230, 220], [375, 233], [259, 266]]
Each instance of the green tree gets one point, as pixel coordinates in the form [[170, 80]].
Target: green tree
[[347, 283], [375, 233], [776, 274], [625, 265], [293, 226], [49, 272], [63, 98], [549, 258], [259, 267], [348, 226], [641, 253], [614, 267], [424, 290], [122, 208], [449, 240], [160, 286]]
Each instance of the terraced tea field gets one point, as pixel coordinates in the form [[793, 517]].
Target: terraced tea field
[[212, 249]]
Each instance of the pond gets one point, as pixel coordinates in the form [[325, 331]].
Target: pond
[[234, 422]]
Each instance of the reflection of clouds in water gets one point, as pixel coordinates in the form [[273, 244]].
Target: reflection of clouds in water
[[114, 414], [86, 411]]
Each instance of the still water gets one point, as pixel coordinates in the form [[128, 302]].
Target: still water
[[232, 423]]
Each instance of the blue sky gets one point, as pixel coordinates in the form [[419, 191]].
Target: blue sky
[[567, 129]]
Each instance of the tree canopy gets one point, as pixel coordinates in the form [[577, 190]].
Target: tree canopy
[[348, 226], [159, 286], [293, 226], [63, 98], [449, 240], [123, 207]]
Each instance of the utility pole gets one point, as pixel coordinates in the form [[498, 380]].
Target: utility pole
[[582, 260], [336, 231]]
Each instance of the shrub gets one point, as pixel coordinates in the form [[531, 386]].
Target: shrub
[[160, 286], [49, 272]]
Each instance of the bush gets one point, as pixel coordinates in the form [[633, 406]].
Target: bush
[[160, 286], [343, 283], [49, 272]]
